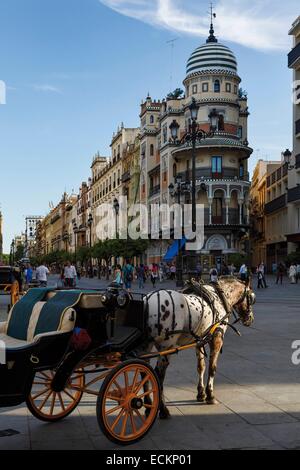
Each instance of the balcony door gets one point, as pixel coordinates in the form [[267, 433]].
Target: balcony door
[[217, 167], [217, 209]]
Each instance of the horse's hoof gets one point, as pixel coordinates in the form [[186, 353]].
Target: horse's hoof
[[164, 414], [212, 401], [201, 398]]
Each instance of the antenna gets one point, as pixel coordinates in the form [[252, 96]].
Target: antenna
[[172, 45]]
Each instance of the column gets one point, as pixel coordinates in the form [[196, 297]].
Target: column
[[241, 202], [227, 203], [210, 203]]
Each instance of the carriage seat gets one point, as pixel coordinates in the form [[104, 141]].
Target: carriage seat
[[88, 301], [21, 332]]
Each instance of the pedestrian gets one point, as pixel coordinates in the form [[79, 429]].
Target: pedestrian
[[225, 270], [161, 272], [118, 281], [140, 270], [298, 272], [173, 272], [42, 274], [128, 275], [213, 275], [244, 272], [293, 273], [154, 274], [232, 269], [199, 271], [260, 283], [28, 275], [280, 273], [70, 275], [262, 269]]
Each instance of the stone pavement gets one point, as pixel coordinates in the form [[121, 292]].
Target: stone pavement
[[257, 386]]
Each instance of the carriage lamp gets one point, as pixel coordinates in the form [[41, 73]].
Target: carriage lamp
[[194, 110], [122, 300], [90, 223], [174, 126]]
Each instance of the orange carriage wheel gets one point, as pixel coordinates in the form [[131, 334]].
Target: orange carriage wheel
[[46, 404], [128, 402]]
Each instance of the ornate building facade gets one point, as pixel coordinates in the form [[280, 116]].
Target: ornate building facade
[[221, 161]]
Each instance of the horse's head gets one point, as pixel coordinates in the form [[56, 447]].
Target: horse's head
[[240, 297], [245, 302]]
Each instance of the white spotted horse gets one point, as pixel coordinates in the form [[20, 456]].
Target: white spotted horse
[[178, 318]]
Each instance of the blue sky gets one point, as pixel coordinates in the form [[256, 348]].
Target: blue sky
[[75, 69]]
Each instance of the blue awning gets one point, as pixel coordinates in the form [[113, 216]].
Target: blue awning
[[173, 250]]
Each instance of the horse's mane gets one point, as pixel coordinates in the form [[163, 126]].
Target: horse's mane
[[228, 278]]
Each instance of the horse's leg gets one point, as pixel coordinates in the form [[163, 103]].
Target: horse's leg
[[215, 349], [161, 369], [201, 397]]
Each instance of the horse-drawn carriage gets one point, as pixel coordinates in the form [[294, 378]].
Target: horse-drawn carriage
[[60, 344], [10, 283]]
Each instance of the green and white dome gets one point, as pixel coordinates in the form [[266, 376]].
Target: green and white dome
[[212, 56]]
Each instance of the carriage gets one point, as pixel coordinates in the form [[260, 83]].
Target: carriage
[[10, 283], [58, 344]]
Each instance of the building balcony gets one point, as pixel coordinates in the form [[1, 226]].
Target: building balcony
[[154, 191], [294, 57], [276, 204], [294, 194], [233, 218], [126, 177], [231, 174]]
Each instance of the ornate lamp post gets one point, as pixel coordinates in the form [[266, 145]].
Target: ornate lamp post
[[194, 136], [177, 190], [90, 223], [287, 155], [75, 230], [117, 210]]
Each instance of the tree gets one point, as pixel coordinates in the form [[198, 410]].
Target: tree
[[19, 253], [176, 94]]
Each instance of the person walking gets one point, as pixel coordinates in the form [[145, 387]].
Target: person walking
[[42, 274], [154, 274], [260, 284], [243, 272], [128, 275], [293, 273], [262, 270], [232, 269], [28, 275], [280, 273], [161, 272], [140, 270], [199, 271], [213, 275], [70, 275], [118, 281], [298, 272]]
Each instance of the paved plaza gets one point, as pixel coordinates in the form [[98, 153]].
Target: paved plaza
[[257, 386]]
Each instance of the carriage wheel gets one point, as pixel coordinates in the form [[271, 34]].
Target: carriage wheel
[[128, 402], [48, 405]]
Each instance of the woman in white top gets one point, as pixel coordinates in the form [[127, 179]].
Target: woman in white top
[[293, 273]]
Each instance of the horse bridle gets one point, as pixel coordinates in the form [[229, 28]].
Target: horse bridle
[[249, 296]]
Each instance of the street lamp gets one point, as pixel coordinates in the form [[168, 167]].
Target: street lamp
[[287, 155], [75, 230], [177, 190], [90, 223], [194, 135], [117, 210]]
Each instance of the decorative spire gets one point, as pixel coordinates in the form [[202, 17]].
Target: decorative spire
[[212, 37]]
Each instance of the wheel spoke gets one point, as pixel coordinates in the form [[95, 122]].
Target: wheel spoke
[[45, 375], [135, 378], [132, 422], [69, 394], [45, 400], [140, 416], [145, 394], [126, 381], [117, 419], [61, 401], [118, 387], [123, 430], [40, 393], [53, 403], [145, 379], [109, 412], [147, 405]]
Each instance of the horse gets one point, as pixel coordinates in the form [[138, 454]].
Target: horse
[[178, 318]]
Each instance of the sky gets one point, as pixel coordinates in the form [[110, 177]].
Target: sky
[[75, 69]]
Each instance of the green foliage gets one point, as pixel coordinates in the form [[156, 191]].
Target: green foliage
[[293, 258], [176, 94], [19, 253], [238, 260]]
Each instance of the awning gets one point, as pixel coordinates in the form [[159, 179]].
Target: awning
[[173, 249]]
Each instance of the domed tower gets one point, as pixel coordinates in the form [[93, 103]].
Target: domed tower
[[212, 80]]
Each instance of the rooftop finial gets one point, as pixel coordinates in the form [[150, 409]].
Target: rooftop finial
[[212, 37]]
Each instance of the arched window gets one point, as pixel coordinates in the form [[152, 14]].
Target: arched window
[[151, 150], [151, 119], [241, 172], [174, 170], [217, 86]]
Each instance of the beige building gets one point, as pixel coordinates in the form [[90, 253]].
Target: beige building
[[221, 161], [111, 175], [293, 233]]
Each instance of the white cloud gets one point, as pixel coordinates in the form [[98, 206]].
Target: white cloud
[[47, 88], [260, 24]]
